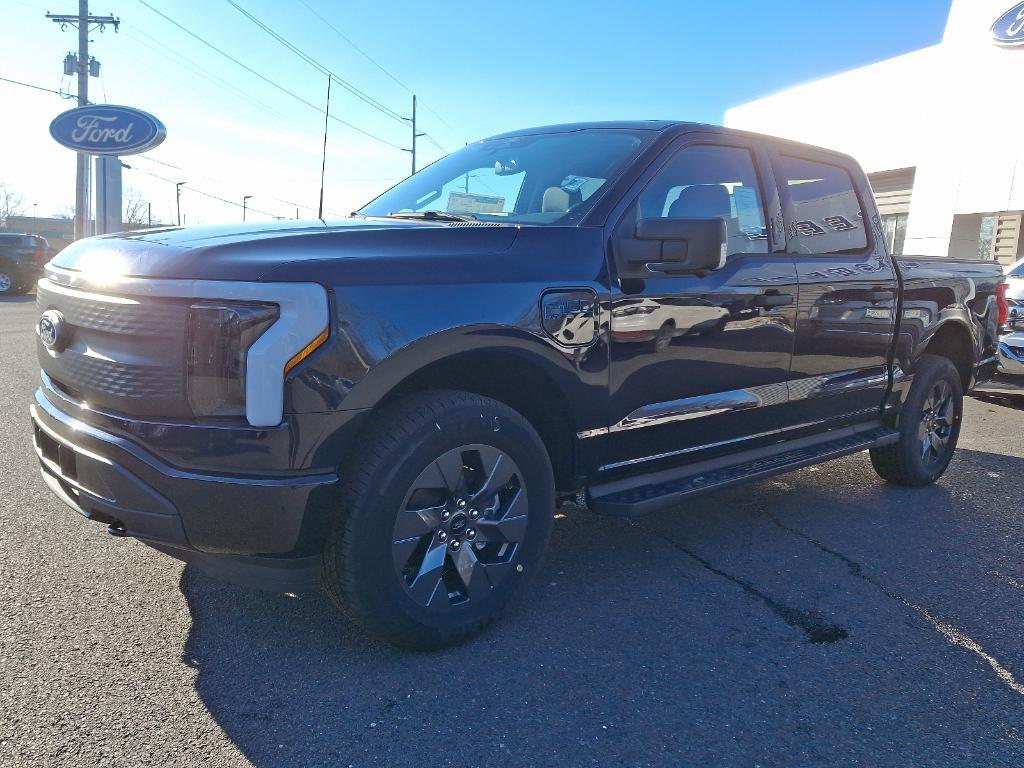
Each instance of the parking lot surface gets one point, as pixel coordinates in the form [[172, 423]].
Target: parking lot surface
[[819, 618]]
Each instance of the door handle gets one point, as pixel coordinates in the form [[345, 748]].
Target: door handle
[[774, 300]]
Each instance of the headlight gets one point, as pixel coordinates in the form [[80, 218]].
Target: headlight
[[219, 338]]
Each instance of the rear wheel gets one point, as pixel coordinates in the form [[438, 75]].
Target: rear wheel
[[663, 340], [929, 426], [445, 509], [8, 286]]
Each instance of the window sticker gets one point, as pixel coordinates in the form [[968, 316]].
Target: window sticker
[[573, 183], [463, 202], [748, 211]]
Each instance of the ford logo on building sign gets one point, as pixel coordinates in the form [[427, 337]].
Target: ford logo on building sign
[[106, 129], [1009, 30]]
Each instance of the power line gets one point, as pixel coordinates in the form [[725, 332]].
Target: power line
[[205, 194], [176, 58], [38, 88], [379, 106], [221, 181], [373, 61], [309, 59], [266, 79]]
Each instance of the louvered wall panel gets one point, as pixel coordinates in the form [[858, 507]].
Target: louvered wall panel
[[893, 190], [1006, 244]]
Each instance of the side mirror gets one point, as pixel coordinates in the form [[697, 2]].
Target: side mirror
[[687, 245], [671, 247]]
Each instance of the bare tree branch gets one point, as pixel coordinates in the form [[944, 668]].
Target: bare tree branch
[[136, 210], [11, 204]]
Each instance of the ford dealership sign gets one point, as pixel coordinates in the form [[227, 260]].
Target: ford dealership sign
[[106, 129], [1009, 30]]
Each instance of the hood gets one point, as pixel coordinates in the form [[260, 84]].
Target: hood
[[288, 251]]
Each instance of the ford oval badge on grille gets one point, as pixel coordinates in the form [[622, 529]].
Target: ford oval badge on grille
[[51, 330]]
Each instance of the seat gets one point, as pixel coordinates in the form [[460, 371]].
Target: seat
[[702, 201], [555, 200]]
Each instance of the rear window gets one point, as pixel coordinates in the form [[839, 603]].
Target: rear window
[[825, 214], [21, 241]]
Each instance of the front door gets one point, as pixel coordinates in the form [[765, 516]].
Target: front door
[[848, 289], [701, 361]]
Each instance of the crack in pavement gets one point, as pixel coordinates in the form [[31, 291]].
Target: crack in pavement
[[949, 632], [812, 624]]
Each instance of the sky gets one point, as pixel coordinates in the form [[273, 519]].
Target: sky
[[477, 68]]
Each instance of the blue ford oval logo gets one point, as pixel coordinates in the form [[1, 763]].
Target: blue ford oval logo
[[1009, 30], [107, 129], [51, 329]]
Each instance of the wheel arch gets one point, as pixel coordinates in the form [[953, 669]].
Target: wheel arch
[[954, 341], [522, 371]]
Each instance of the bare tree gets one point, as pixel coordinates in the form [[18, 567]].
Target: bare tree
[[136, 210], [11, 204], [65, 212]]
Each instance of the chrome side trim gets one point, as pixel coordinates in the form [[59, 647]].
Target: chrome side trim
[[732, 441], [657, 414]]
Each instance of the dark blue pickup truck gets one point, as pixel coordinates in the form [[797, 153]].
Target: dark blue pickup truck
[[392, 405]]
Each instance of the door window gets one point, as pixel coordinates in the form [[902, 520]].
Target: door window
[[824, 213], [704, 182]]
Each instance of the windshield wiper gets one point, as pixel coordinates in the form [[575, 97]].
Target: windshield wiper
[[431, 215]]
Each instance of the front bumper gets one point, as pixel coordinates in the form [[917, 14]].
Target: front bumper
[[262, 531]]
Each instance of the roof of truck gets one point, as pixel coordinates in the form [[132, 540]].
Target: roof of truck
[[627, 125]]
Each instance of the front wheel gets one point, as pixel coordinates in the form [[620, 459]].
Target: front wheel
[[929, 426], [446, 507]]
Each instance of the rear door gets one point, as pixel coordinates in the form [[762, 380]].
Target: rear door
[[847, 287]]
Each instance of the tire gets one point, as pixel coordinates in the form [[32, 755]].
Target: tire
[[929, 426], [398, 572], [663, 340], [8, 283]]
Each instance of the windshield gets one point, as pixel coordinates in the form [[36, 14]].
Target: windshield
[[1017, 271], [544, 179]]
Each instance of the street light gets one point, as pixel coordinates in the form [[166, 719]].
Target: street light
[[245, 200], [177, 195]]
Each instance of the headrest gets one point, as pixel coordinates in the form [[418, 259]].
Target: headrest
[[702, 201], [556, 200]]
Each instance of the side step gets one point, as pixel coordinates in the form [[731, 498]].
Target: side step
[[658, 490]]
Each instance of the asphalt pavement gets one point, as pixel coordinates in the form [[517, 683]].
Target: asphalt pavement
[[821, 618]]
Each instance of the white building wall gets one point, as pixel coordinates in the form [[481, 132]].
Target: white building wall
[[952, 110]]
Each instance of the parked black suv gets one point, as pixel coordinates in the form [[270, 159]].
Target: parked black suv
[[393, 404], [21, 261]]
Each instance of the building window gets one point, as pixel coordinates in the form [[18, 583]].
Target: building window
[[895, 225]]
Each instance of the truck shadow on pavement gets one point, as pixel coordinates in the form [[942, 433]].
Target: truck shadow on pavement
[[644, 642]]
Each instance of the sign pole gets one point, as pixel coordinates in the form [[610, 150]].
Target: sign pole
[[82, 168]]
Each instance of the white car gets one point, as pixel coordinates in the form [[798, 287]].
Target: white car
[[660, 321]]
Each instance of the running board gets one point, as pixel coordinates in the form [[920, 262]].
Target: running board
[[659, 490]]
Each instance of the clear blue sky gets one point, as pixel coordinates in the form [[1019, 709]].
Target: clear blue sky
[[483, 67]]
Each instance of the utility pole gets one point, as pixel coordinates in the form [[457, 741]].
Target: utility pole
[[245, 202], [415, 134], [149, 214], [82, 20], [177, 196]]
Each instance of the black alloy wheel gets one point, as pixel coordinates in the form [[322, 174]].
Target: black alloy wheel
[[456, 535]]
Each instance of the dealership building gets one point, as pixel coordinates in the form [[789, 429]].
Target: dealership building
[[940, 132]]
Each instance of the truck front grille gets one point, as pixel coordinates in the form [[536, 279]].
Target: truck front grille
[[126, 354]]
